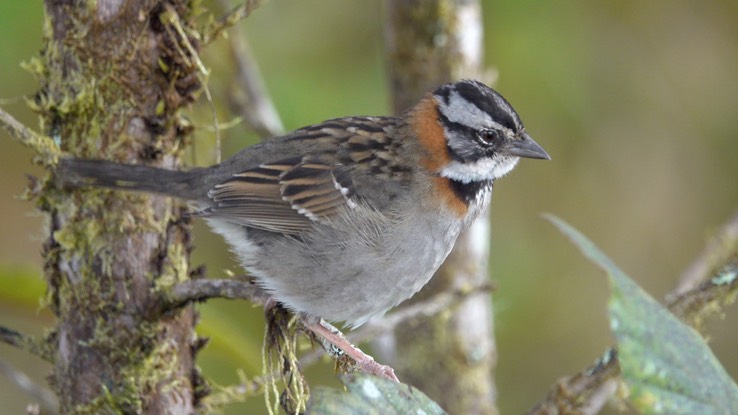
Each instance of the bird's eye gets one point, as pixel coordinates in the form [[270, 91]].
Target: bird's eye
[[489, 136]]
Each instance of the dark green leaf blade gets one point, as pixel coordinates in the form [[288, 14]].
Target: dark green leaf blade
[[370, 395], [668, 367]]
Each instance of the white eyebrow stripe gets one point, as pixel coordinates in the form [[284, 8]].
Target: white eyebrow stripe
[[462, 111], [496, 125]]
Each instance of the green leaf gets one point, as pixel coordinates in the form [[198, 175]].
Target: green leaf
[[668, 367], [370, 395]]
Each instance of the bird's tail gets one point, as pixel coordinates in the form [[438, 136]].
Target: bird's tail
[[100, 173]]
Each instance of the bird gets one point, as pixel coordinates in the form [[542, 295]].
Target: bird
[[342, 220]]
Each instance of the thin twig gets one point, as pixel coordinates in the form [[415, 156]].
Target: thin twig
[[251, 100], [42, 145], [584, 392], [717, 252], [706, 291], [216, 123], [707, 298], [193, 58], [203, 289], [25, 343], [13, 338], [231, 19], [430, 307], [26, 384], [246, 388]]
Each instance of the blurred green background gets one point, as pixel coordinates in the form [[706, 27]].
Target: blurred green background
[[637, 103]]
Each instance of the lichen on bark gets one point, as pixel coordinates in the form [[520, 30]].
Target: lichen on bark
[[113, 79]]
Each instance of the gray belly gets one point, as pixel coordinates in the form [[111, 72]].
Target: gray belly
[[340, 274]]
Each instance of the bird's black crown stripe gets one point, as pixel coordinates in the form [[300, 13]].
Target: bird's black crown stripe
[[484, 99]]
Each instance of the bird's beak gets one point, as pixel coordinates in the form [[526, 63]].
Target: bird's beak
[[527, 148]]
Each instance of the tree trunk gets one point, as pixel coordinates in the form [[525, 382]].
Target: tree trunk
[[450, 356], [113, 75]]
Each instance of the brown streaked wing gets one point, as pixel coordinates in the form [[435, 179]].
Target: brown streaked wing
[[284, 196]]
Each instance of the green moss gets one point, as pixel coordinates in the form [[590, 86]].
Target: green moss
[[175, 269], [96, 102], [144, 369]]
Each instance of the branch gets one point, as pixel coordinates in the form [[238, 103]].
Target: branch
[[203, 289], [707, 298], [259, 385], [246, 388], [464, 354], [233, 289], [592, 386], [25, 343], [717, 252], [42, 145], [230, 19], [427, 308], [251, 100], [586, 392], [26, 384]]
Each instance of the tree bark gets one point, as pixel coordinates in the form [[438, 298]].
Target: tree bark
[[114, 74], [450, 356]]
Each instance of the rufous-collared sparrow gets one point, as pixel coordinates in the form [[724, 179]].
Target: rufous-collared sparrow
[[345, 219]]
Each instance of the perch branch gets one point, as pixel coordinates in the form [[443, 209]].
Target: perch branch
[[374, 328], [248, 388], [42, 145], [203, 289]]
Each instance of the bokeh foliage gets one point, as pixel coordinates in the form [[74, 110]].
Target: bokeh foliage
[[637, 103]]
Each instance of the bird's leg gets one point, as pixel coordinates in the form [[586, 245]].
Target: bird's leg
[[335, 338]]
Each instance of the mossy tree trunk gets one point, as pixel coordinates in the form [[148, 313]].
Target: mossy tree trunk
[[114, 75], [450, 356]]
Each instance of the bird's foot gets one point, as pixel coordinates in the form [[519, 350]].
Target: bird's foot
[[332, 339]]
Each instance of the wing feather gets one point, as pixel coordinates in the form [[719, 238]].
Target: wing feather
[[290, 194], [285, 196]]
